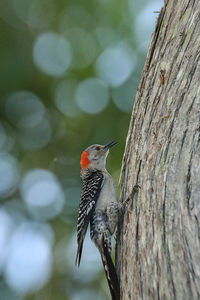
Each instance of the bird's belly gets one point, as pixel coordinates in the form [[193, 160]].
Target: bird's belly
[[107, 196]]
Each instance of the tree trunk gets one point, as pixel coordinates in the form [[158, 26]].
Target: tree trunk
[[158, 248]]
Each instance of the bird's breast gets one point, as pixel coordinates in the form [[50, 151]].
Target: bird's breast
[[107, 195]]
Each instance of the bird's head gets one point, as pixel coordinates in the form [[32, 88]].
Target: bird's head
[[95, 156]]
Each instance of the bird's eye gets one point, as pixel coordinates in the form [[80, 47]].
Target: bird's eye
[[97, 148]]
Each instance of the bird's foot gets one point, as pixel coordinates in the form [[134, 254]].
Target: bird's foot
[[127, 203]]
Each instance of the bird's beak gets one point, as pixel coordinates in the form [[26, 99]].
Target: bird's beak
[[109, 145]]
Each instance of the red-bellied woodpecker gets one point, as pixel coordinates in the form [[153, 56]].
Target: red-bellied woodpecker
[[99, 206]]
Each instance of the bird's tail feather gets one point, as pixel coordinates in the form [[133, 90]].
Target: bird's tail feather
[[110, 271]]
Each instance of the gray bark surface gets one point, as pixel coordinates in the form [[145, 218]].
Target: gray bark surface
[[158, 247]]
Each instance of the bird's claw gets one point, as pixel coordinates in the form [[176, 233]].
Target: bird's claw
[[129, 200]]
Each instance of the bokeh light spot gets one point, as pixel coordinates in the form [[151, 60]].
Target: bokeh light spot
[[52, 53], [83, 46], [9, 174], [6, 225], [75, 15], [115, 65], [6, 137], [90, 256], [29, 265], [24, 109], [37, 13], [36, 137], [92, 95], [145, 23], [42, 194], [107, 37], [65, 99]]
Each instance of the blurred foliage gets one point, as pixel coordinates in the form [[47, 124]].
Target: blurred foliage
[[69, 75]]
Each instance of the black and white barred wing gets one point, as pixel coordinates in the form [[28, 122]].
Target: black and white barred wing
[[92, 183]]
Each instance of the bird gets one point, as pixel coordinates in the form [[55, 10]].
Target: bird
[[98, 206]]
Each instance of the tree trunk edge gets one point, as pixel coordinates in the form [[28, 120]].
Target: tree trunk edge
[[153, 83]]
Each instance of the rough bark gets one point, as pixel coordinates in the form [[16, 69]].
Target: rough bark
[[158, 252]]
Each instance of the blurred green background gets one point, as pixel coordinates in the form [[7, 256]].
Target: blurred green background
[[69, 75]]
